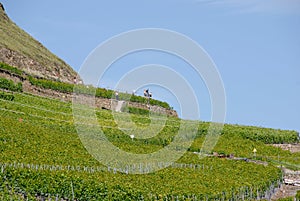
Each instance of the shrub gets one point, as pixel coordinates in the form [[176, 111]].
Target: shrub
[[49, 84], [135, 110], [104, 93], [10, 85], [10, 69], [6, 96], [298, 195], [98, 92]]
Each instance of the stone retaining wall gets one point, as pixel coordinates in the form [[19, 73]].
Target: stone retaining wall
[[103, 103], [32, 67]]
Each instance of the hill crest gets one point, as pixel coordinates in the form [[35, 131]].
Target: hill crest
[[19, 49]]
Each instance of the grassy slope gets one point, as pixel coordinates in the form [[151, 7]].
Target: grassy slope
[[14, 38], [44, 134]]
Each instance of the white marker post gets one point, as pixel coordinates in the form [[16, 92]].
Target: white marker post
[[254, 153]]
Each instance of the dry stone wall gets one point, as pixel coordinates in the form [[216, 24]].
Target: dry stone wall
[[7, 75], [32, 67], [99, 102], [102, 103]]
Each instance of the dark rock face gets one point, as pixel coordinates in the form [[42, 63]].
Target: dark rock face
[[2, 12], [2, 7]]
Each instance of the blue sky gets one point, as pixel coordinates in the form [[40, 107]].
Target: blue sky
[[254, 44]]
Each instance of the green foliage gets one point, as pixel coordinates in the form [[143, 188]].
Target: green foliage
[[6, 96], [36, 130], [265, 135], [104, 93], [49, 84], [160, 103], [57, 116], [89, 90], [212, 183], [10, 194], [243, 148], [10, 69], [10, 85], [135, 110], [298, 195], [140, 99]]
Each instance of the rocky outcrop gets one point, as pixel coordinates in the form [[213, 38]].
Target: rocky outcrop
[[32, 67], [19, 49], [2, 12]]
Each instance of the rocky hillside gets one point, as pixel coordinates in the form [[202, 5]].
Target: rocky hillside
[[19, 49]]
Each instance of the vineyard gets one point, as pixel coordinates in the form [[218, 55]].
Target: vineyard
[[63, 87], [98, 92], [42, 156], [48, 145]]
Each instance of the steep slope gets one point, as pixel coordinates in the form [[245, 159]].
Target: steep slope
[[43, 157], [19, 49]]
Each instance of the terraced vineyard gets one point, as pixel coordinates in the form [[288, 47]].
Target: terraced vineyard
[[43, 157]]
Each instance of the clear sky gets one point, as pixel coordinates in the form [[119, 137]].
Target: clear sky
[[255, 45]]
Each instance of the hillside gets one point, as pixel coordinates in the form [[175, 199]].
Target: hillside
[[19, 49], [43, 157], [55, 78]]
